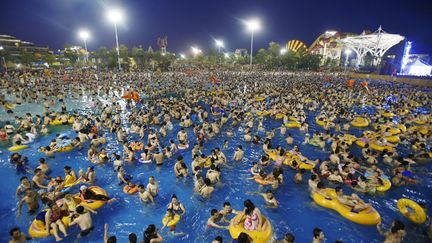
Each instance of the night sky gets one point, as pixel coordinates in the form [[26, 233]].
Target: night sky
[[195, 22]]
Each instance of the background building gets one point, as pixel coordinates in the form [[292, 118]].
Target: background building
[[14, 47]]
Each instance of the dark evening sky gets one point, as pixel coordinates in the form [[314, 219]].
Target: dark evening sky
[[195, 22]]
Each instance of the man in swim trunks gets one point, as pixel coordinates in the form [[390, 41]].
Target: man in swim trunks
[[182, 136], [238, 155], [352, 201], [31, 200], [318, 235], [144, 195], [215, 218], [17, 236], [396, 233], [207, 189], [152, 186], [289, 238], [38, 179], [83, 220]]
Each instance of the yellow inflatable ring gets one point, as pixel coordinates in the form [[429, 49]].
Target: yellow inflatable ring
[[272, 155], [259, 99], [262, 236], [320, 122], [279, 116], [419, 122], [377, 147], [301, 165], [349, 138], [262, 113], [262, 182], [366, 217], [393, 139], [206, 164], [9, 106], [360, 122], [417, 215], [17, 148], [136, 147], [130, 190], [360, 143], [292, 124], [92, 204], [37, 227], [386, 185], [171, 222], [71, 181], [388, 114], [56, 122], [65, 149]]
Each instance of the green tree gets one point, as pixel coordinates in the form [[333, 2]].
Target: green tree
[[138, 54], [26, 57], [70, 54], [212, 56], [262, 56], [274, 49]]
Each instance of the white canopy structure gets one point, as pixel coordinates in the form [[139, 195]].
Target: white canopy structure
[[418, 68], [376, 44]]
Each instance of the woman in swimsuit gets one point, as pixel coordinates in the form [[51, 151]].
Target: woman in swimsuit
[[252, 216], [176, 206]]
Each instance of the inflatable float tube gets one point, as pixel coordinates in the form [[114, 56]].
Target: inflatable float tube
[[262, 236], [377, 147], [65, 149], [360, 122], [145, 161], [183, 147], [386, 185], [366, 217], [292, 124], [130, 190], [412, 210], [37, 227], [171, 222], [17, 148], [92, 204]]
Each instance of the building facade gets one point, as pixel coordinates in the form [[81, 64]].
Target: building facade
[[12, 46]]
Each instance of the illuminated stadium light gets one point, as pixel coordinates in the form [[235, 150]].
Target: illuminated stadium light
[[405, 57]]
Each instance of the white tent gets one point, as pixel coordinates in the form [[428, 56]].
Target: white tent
[[418, 68]]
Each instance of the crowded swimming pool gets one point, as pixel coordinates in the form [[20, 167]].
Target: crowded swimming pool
[[297, 213]]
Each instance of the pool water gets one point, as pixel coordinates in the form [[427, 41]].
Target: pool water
[[297, 212]]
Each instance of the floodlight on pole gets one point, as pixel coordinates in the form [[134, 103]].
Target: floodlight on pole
[[219, 44], [3, 58], [226, 55], [115, 16], [84, 35], [182, 56], [347, 54], [252, 25], [196, 50], [283, 51]]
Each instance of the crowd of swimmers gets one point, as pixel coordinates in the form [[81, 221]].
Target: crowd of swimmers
[[237, 106]]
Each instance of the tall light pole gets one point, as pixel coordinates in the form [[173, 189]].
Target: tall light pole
[[219, 44], [347, 53], [252, 26], [84, 35], [115, 16], [1, 52]]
